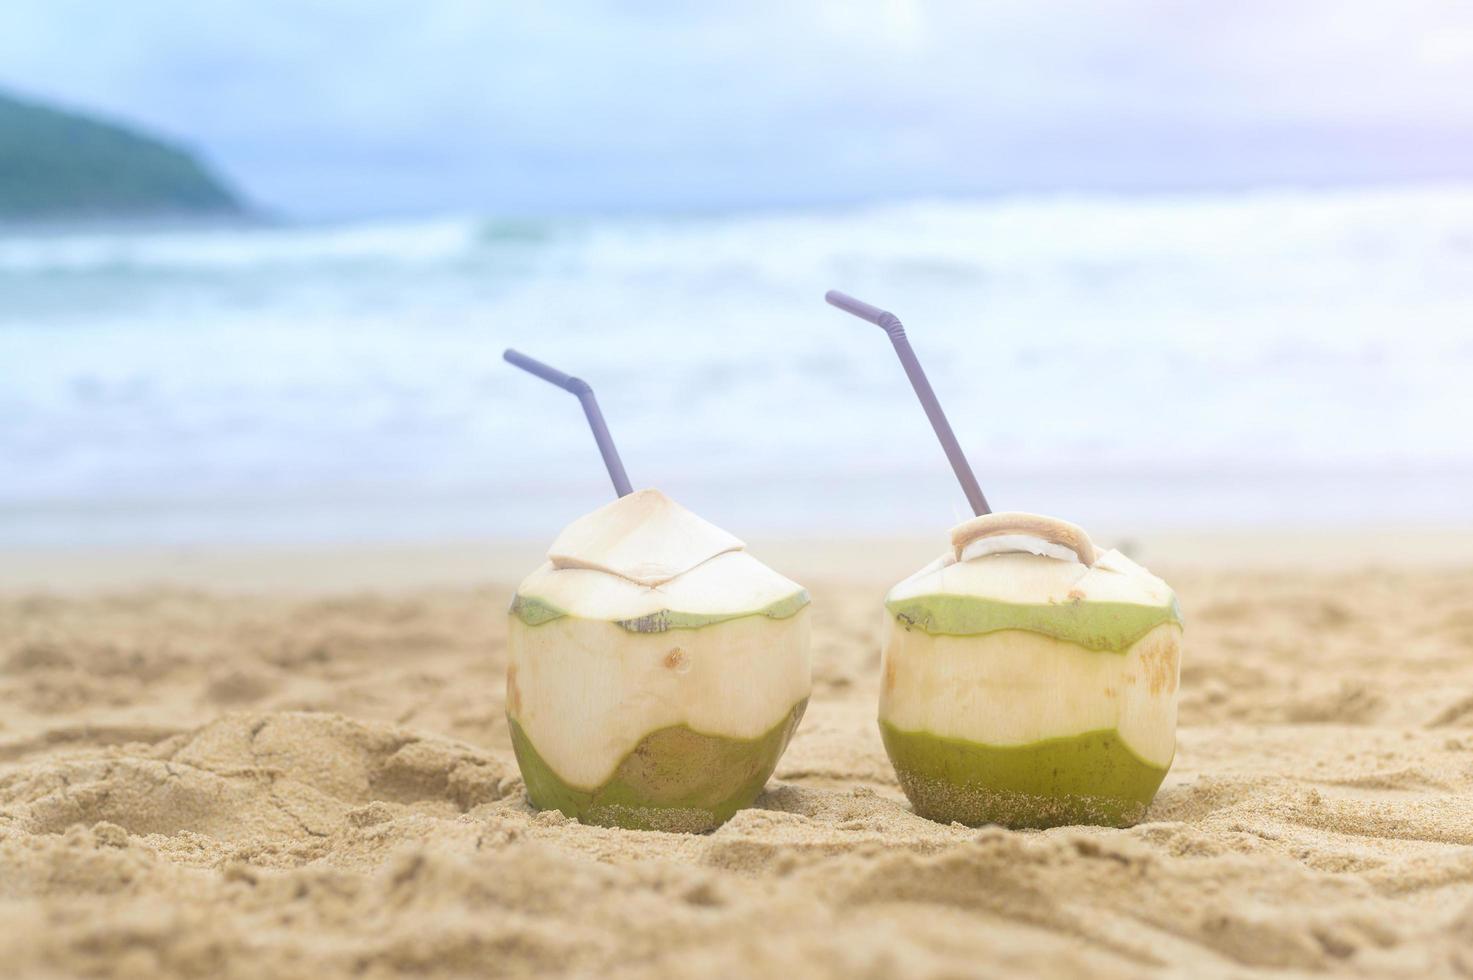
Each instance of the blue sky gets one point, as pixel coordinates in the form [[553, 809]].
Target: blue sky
[[341, 108]]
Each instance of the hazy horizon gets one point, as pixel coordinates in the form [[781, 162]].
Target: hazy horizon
[[386, 108]]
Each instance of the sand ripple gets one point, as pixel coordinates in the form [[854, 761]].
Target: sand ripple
[[200, 785]]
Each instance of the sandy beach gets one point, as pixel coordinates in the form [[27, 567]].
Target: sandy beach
[[324, 326], [302, 768]]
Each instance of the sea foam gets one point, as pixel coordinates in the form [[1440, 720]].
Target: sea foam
[[1261, 357]]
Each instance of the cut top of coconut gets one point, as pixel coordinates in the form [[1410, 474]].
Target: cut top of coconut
[[1028, 558], [644, 537], [1107, 606]]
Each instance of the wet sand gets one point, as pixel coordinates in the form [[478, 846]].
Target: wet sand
[[302, 768]]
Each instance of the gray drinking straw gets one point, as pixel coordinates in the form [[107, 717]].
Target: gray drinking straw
[[580, 388], [891, 325]]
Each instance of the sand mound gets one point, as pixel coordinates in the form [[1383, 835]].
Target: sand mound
[[193, 785], [253, 777]]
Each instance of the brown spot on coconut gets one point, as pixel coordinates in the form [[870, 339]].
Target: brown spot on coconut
[[1160, 658], [513, 694]]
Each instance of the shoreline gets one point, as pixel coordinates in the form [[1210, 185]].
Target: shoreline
[[862, 559]]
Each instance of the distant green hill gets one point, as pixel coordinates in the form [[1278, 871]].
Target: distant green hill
[[61, 165]]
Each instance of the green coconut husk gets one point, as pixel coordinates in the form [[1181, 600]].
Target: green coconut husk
[[1091, 778], [675, 779]]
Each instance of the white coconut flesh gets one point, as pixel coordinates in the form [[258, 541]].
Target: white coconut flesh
[[1015, 687], [586, 693], [1014, 643], [648, 617], [644, 536]]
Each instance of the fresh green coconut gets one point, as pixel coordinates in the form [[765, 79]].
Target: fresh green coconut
[[656, 670], [1028, 680]]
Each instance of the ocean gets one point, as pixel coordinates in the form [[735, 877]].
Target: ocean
[[1247, 359]]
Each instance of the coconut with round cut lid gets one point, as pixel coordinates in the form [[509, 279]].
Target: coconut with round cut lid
[[1027, 684], [655, 670], [1027, 679]]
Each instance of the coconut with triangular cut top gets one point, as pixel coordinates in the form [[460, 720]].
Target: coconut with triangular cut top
[[656, 669], [1030, 681]]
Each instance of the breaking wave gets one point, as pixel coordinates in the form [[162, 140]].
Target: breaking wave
[[1187, 358]]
